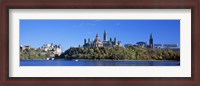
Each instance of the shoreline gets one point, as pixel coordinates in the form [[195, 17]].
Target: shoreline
[[97, 60]]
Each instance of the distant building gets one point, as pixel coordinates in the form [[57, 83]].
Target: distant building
[[25, 47], [142, 44], [157, 45], [152, 45], [57, 50], [170, 45], [105, 43], [151, 41], [54, 49], [47, 47], [97, 42], [127, 45]]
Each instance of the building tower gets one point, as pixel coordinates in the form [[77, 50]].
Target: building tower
[[97, 37], [104, 36], [97, 42], [115, 40], [151, 41], [88, 40], [84, 41], [110, 39]]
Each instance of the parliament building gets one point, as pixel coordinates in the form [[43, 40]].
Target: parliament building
[[105, 43]]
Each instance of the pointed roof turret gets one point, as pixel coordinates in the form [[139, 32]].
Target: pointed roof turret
[[104, 36], [151, 37]]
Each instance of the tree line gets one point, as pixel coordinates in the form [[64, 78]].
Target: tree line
[[105, 53], [120, 53], [31, 54]]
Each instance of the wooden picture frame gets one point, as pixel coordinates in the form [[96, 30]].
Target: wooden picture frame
[[5, 80]]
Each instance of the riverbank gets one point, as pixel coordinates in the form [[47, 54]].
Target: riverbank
[[105, 60], [124, 60]]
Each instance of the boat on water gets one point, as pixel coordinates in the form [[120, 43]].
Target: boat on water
[[50, 58], [76, 60]]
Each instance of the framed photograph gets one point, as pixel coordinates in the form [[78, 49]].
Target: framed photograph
[[100, 42]]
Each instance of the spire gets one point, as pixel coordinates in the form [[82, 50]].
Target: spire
[[151, 41], [88, 40], [84, 41], [104, 36], [151, 36], [97, 35], [115, 40], [110, 39]]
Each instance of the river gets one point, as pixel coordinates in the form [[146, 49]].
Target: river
[[97, 63]]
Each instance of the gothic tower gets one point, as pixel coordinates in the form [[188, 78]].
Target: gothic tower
[[110, 39], [104, 36], [88, 40], [97, 36], [115, 40], [151, 41], [84, 41]]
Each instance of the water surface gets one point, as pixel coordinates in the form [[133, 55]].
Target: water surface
[[96, 63]]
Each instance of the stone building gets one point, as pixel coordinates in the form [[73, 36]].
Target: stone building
[[105, 43], [54, 49]]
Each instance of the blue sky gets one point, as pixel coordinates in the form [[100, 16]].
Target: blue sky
[[72, 32]]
